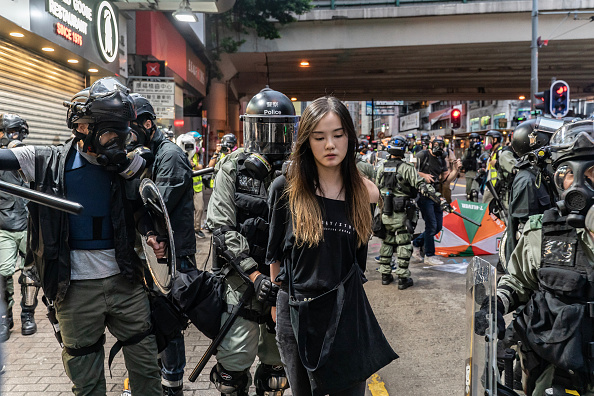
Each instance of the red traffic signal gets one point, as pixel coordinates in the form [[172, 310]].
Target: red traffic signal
[[559, 105], [543, 101], [455, 118]]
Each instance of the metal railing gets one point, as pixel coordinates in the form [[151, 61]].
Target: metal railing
[[334, 4]]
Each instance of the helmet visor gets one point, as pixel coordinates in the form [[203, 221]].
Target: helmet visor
[[105, 87], [568, 134], [268, 138]]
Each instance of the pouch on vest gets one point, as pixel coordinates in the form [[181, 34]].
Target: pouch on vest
[[399, 204], [200, 296]]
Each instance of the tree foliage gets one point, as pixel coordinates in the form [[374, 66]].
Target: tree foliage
[[262, 15]]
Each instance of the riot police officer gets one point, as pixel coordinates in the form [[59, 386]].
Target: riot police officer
[[13, 236], [532, 191], [237, 215], [551, 272], [470, 164], [399, 184], [499, 173], [171, 171], [362, 162]]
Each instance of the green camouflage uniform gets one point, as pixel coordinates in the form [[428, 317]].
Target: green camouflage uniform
[[246, 339], [398, 237], [522, 278]]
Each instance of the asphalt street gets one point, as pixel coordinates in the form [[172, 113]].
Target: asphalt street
[[425, 325]]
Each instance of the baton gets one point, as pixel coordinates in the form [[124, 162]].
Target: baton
[[465, 218], [202, 171], [42, 198], [222, 333]]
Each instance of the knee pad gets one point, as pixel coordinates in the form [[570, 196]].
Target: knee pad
[[270, 380], [233, 383], [29, 291], [474, 196]]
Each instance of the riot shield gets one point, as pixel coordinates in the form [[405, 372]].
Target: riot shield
[[481, 363], [162, 270]]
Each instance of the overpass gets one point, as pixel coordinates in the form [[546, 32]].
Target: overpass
[[419, 50]]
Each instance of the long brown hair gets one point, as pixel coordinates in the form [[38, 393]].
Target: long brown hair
[[303, 179]]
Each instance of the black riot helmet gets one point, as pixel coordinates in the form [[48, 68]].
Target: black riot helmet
[[438, 147], [269, 127], [533, 134], [474, 136], [425, 138], [572, 153], [397, 146], [108, 112], [14, 128], [492, 137], [141, 136], [363, 145]]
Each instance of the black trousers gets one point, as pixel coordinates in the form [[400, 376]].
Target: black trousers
[[287, 346]]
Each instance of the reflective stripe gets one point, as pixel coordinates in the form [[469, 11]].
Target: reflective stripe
[[198, 179]]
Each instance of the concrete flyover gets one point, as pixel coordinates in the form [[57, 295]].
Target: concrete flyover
[[446, 50]]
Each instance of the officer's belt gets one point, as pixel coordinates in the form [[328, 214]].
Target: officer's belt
[[248, 314]]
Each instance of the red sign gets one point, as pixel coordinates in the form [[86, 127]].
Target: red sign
[[68, 34], [154, 69], [178, 123]]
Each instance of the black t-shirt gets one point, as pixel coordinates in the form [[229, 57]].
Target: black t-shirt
[[432, 165], [315, 269]]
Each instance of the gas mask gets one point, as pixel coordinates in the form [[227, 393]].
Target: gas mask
[[258, 166], [575, 183], [108, 141], [438, 147]]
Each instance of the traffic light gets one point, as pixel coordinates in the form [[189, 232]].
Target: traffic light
[[455, 118], [543, 101], [559, 99]]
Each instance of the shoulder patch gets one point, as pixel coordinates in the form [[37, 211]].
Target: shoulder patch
[[535, 223]]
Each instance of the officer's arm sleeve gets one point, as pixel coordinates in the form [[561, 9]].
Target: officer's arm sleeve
[[173, 177], [507, 161], [8, 161], [516, 287], [379, 175], [221, 212], [522, 198]]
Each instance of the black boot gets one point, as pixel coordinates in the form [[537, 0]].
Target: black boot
[[28, 325], [177, 391], [6, 323], [387, 279], [404, 283]]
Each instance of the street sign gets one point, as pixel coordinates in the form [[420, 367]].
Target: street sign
[[160, 94]]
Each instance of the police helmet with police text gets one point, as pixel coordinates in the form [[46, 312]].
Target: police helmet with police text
[[269, 124]]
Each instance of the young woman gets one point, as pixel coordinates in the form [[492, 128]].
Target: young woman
[[320, 223]]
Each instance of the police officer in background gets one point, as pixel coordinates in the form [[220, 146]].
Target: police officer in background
[[532, 191], [551, 272], [470, 166], [237, 215], [13, 236], [399, 183], [499, 171], [191, 143], [228, 145], [172, 173], [362, 164]]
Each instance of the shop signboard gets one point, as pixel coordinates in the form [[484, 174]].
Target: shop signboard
[[382, 107], [161, 94], [410, 121], [88, 28]]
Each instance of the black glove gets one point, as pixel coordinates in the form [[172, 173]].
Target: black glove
[[481, 322], [266, 291]]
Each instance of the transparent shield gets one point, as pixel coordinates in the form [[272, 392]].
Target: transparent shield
[[106, 86], [481, 363]]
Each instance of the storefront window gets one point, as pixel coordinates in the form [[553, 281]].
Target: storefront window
[[475, 124], [485, 122]]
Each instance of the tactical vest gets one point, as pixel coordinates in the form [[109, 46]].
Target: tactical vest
[[493, 170], [251, 202], [557, 322], [394, 181], [92, 229]]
